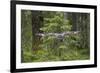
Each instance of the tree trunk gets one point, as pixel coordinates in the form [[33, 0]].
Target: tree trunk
[[37, 21], [85, 30]]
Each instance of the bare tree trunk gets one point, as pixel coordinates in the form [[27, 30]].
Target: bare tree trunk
[[85, 30], [74, 21], [37, 21]]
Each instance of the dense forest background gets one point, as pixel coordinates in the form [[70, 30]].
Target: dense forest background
[[54, 36]]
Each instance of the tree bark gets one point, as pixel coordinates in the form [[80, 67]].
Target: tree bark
[[37, 21]]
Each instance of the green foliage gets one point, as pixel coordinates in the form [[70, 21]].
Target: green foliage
[[57, 23], [26, 35], [51, 48]]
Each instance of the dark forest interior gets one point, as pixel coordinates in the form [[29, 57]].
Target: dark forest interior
[[54, 36]]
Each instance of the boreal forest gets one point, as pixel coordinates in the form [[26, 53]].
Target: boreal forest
[[54, 36]]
